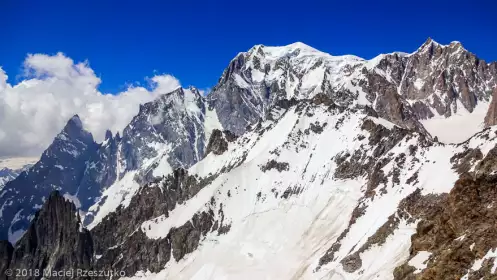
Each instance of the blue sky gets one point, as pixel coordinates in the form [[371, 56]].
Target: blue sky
[[126, 41]]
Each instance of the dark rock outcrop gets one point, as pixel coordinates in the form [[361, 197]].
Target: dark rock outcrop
[[401, 89], [121, 243], [218, 142], [153, 200], [456, 75], [55, 241], [272, 164], [491, 117], [457, 229], [390, 105], [6, 250]]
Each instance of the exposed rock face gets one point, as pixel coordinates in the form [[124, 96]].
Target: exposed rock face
[[272, 164], [151, 201], [256, 80], [463, 162], [61, 167], [459, 231], [6, 250], [175, 119], [55, 241], [329, 109], [119, 243], [121, 233], [443, 75], [247, 88], [218, 143], [168, 133], [100, 171], [171, 126], [491, 117], [402, 88], [381, 141]]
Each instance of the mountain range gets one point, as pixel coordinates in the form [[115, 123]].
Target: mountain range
[[297, 165]]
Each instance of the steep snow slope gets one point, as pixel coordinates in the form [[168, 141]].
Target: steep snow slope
[[328, 151], [295, 195], [458, 127]]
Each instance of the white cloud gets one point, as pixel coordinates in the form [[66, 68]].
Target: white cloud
[[55, 88]]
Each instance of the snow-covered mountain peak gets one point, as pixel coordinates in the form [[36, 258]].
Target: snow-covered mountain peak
[[295, 51], [433, 48], [108, 134], [281, 51], [444, 83], [10, 168], [188, 101], [298, 165], [299, 45], [74, 130], [191, 94], [76, 121], [456, 43], [61, 167], [432, 45], [428, 43], [435, 81], [256, 80], [169, 132]]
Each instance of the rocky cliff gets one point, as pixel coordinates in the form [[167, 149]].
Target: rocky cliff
[[491, 117], [55, 241], [298, 165], [61, 167], [435, 80]]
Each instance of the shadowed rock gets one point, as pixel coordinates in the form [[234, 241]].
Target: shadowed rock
[[218, 142], [491, 117], [55, 240]]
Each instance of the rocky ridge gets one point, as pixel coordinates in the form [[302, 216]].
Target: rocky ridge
[[82, 169], [313, 132], [62, 164], [435, 80]]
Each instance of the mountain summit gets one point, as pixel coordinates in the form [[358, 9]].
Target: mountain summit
[[436, 81], [298, 165], [60, 167]]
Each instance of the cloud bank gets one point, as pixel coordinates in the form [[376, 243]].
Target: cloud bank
[[52, 90]]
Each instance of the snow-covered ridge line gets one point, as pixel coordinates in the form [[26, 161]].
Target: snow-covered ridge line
[[258, 203], [275, 52], [320, 152], [405, 89]]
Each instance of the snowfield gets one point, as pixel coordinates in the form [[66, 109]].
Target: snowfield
[[283, 238], [297, 165]]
